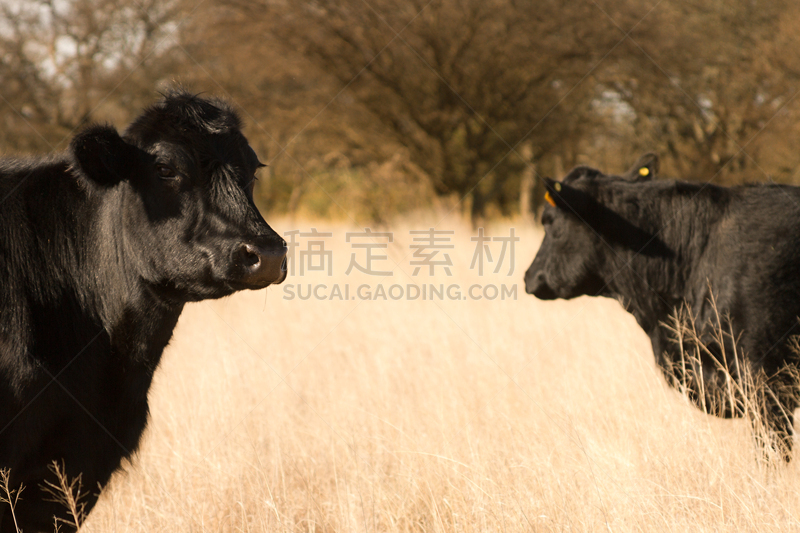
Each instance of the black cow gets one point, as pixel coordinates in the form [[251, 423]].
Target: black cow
[[100, 248], [728, 257]]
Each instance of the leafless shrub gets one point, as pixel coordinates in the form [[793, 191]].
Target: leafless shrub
[[67, 493], [8, 495], [712, 373]]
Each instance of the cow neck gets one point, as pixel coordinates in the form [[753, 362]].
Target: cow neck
[[652, 287], [647, 303], [138, 322]]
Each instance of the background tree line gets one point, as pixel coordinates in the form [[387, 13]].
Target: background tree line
[[371, 108]]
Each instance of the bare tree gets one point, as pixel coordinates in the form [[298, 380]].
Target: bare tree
[[62, 60], [704, 80], [377, 106], [458, 83]]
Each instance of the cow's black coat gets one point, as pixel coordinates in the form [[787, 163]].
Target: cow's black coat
[[100, 248], [730, 256]]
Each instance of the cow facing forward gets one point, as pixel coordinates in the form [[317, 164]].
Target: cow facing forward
[[100, 248], [726, 259]]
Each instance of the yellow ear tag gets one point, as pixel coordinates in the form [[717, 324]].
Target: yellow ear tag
[[557, 186], [549, 199], [644, 171]]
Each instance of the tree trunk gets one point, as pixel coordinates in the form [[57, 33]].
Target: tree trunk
[[527, 185], [478, 209]]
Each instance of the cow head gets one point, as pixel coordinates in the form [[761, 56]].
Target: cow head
[[181, 178], [581, 226]]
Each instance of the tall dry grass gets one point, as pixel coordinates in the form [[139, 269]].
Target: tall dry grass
[[276, 415]]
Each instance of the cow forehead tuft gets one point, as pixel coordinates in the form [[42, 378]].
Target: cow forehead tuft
[[582, 172], [210, 115], [185, 113]]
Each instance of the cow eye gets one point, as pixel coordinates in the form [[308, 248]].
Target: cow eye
[[165, 172]]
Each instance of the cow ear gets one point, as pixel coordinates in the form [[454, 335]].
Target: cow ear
[[564, 197], [103, 156], [645, 168]]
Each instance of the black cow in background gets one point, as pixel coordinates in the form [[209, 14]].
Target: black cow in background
[[729, 257], [100, 248]]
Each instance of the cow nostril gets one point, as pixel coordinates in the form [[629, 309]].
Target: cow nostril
[[283, 265], [250, 256]]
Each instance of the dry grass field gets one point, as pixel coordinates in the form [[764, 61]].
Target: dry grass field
[[296, 415]]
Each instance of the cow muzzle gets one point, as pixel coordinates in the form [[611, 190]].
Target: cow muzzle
[[536, 284], [261, 265]]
